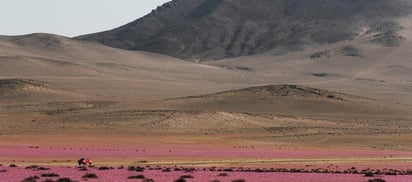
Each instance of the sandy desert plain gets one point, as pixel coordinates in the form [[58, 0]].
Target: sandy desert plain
[[142, 116]]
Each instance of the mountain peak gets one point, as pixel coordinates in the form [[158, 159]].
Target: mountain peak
[[215, 29]]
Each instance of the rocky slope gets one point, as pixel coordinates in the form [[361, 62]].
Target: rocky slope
[[215, 29]]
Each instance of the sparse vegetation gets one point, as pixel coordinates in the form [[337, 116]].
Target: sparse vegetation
[[90, 175], [350, 51], [31, 179], [238, 180], [369, 174], [223, 174], [180, 180], [186, 176], [43, 168], [48, 180], [137, 169], [104, 168], [321, 54], [376, 180], [12, 165], [65, 180], [50, 175], [139, 176], [32, 167]]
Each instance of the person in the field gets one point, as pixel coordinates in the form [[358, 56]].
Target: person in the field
[[83, 161]]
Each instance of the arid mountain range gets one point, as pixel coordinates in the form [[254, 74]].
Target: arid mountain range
[[216, 29]]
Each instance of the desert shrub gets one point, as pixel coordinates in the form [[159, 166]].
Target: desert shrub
[[104, 168], [139, 176], [215, 180], [259, 170], [43, 168], [186, 176], [223, 174], [318, 55], [376, 180], [3, 171], [350, 51], [392, 173], [65, 180], [50, 175], [188, 170], [31, 179], [239, 180], [12, 165], [228, 170], [166, 170], [32, 167], [48, 180], [89, 175], [148, 180], [369, 174], [120, 167], [180, 180], [137, 169]]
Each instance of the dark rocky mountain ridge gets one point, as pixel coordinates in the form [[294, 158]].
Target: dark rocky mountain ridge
[[215, 29]]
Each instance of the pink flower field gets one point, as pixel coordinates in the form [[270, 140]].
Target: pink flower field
[[233, 163], [164, 174]]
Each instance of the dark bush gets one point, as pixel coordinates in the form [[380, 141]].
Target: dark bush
[[215, 180], [139, 176], [369, 174], [48, 180], [148, 180], [90, 175], [376, 180], [223, 174], [12, 165], [3, 171], [180, 180], [239, 180], [188, 170], [31, 179], [32, 167], [186, 176], [137, 169], [50, 175], [166, 170], [65, 180], [104, 168], [43, 168], [259, 170]]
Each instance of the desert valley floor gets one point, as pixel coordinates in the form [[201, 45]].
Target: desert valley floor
[[275, 118]]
